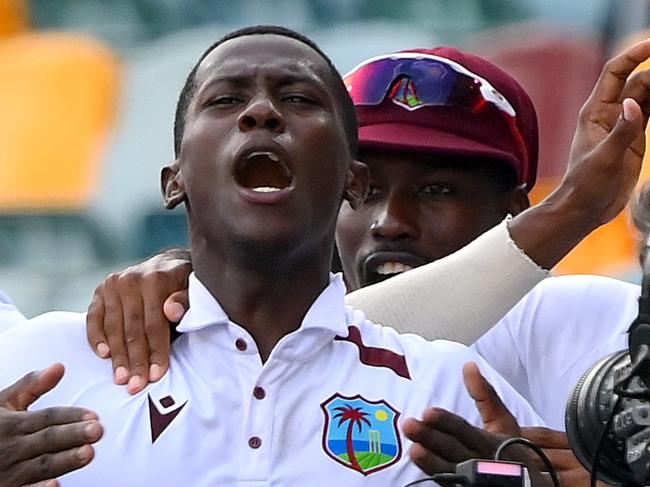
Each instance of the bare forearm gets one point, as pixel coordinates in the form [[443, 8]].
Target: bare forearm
[[548, 231]]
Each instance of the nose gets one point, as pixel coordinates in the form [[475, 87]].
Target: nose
[[395, 219], [261, 112]]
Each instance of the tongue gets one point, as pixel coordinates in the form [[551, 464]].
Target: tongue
[[260, 172]]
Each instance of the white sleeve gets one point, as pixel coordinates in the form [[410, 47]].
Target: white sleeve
[[456, 298], [47, 339], [560, 329]]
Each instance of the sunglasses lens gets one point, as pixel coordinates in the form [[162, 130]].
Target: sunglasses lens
[[413, 83], [369, 84]]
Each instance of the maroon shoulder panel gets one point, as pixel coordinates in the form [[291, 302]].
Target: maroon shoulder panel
[[377, 357]]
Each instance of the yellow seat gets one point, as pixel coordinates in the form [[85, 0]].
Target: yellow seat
[[58, 94], [611, 250], [13, 17]]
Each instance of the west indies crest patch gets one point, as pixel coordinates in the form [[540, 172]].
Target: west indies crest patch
[[361, 434]]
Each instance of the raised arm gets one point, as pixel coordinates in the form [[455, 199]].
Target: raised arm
[[462, 296]]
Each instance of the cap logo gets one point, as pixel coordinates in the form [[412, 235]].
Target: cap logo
[[404, 95]]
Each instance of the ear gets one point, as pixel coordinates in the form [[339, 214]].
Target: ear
[[356, 184], [172, 186], [516, 200]]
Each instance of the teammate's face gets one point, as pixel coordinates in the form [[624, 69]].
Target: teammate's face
[[264, 157], [419, 208]]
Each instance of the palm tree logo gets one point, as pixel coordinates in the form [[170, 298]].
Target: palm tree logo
[[361, 434], [354, 416]]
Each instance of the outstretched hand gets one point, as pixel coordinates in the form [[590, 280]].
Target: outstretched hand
[[37, 447], [610, 133], [443, 439], [498, 419], [130, 317], [604, 166]]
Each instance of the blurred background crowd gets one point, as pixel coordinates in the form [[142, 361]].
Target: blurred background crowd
[[88, 89]]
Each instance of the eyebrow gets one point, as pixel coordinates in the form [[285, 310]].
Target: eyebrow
[[282, 79]]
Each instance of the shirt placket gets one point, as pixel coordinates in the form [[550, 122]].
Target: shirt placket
[[259, 392]]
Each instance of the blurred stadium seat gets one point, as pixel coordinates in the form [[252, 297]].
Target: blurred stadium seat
[[58, 96], [13, 17]]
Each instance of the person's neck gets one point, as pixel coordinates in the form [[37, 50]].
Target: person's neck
[[268, 295]]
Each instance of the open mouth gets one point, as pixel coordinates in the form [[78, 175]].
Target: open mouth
[[382, 265], [392, 268], [263, 172]]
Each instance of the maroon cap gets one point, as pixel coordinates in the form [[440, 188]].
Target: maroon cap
[[454, 130]]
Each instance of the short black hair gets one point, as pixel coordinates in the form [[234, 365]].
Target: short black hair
[[348, 112]]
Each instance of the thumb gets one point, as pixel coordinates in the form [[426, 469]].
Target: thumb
[[176, 305], [495, 415], [22, 393]]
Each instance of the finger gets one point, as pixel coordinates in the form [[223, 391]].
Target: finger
[[157, 329], [454, 448], [546, 437], [114, 330], [57, 438], [612, 79], [51, 465], [28, 422], [21, 394], [67, 436], [429, 462], [134, 336], [95, 324], [176, 305], [495, 415], [628, 129], [637, 87], [456, 427]]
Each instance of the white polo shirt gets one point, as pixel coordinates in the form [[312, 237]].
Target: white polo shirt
[[9, 315], [555, 333], [325, 409]]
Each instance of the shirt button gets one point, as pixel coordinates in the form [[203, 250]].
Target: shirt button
[[240, 343], [259, 393], [254, 442]]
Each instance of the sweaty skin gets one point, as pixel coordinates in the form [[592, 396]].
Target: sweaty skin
[[251, 249], [421, 209], [604, 166], [605, 162]]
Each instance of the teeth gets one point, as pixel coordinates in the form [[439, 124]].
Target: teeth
[[392, 268], [270, 155], [265, 189]]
